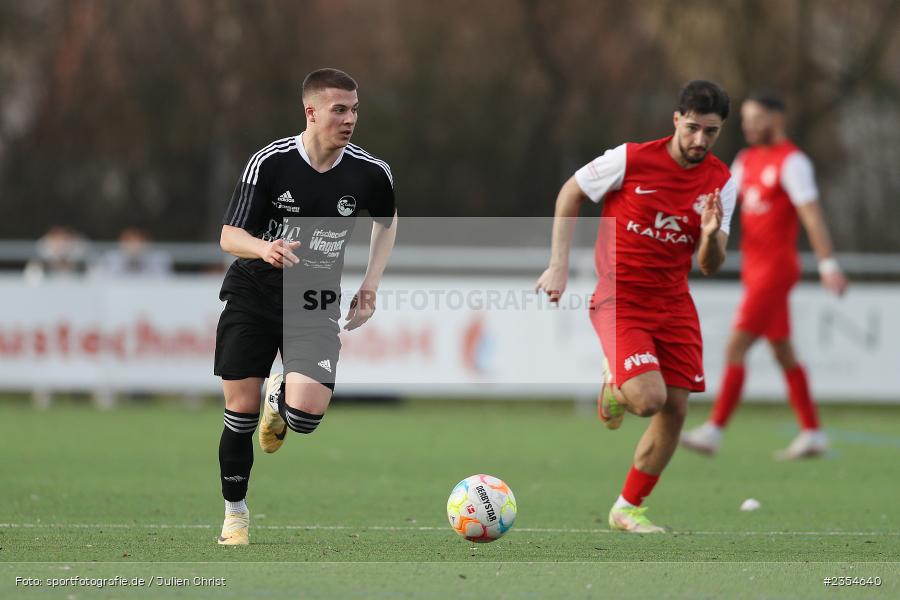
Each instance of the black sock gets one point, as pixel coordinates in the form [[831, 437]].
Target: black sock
[[236, 453], [299, 421], [282, 405]]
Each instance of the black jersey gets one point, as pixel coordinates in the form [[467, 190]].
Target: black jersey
[[279, 183]]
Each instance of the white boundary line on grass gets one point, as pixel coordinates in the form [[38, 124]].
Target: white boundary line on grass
[[364, 528], [498, 563]]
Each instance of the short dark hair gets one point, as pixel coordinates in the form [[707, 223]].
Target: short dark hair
[[770, 99], [703, 97], [322, 79]]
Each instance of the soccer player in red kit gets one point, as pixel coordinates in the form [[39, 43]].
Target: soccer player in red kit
[[778, 192], [669, 198]]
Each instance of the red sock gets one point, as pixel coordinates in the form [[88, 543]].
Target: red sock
[[801, 399], [729, 395], [638, 486]]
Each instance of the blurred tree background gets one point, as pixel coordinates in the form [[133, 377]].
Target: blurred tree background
[[143, 112]]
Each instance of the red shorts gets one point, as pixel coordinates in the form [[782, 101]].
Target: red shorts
[[765, 311], [647, 333]]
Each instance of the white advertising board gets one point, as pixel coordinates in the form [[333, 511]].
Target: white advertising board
[[430, 336]]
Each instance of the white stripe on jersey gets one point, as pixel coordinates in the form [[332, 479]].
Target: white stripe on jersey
[[372, 158], [251, 175], [276, 150], [242, 210], [236, 220], [358, 152], [256, 156]]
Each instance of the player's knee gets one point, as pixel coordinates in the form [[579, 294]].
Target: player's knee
[[734, 353], [786, 359], [737, 348], [784, 354], [650, 403], [735, 356], [242, 404], [241, 396], [301, 421]]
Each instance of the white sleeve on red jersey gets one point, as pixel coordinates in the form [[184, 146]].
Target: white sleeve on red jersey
[[798, 178], [737, 170], [603, 174], [728, 197]]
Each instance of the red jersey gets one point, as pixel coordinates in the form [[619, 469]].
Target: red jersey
[[657, 206], [772, 180]]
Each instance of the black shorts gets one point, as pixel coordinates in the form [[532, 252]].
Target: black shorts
[[251, 331]]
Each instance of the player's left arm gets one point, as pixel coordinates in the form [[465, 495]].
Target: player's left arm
[[830, 272], [380, 246], [715, 224], [798, 180]]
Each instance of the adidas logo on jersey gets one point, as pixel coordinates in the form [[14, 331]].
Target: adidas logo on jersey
[[286, 197], [325, 364]]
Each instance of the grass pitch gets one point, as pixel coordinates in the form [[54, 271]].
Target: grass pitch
[[357, 510]]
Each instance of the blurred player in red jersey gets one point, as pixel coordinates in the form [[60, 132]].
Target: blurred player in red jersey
[[669, 198], [778, 192]]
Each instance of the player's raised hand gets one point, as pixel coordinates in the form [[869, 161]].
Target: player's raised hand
[[362, 307], [713, 213], [553, 281], [280, 253]]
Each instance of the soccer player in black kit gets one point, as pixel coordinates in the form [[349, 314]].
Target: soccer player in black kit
[[289, 222]]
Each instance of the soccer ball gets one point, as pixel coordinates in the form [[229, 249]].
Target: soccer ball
[[481, 508]]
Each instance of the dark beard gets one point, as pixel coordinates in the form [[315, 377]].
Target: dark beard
[[688, 157]]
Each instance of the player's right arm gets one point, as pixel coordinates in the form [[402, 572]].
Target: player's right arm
[[248, 211], [240, 243], [591, 182], [554, 279]]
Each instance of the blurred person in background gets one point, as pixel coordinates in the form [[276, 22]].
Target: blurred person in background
[[778, 193], [135, 256], [61, 252]]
